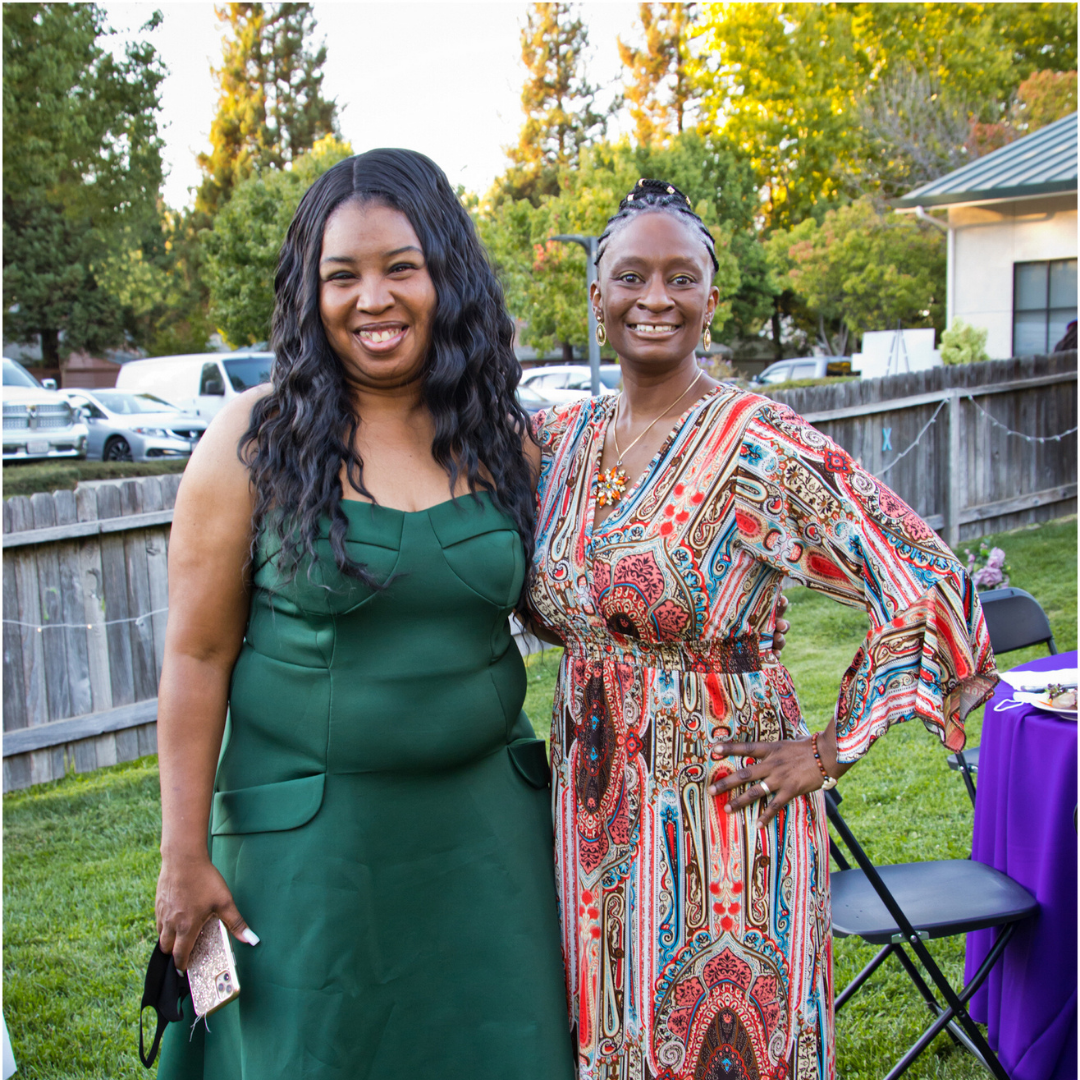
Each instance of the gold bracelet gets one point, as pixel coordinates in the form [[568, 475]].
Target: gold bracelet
[[827, 782]]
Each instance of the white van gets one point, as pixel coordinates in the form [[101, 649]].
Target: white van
[[199, 382]]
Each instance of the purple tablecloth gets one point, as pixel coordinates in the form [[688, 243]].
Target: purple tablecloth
[[1024, 827]]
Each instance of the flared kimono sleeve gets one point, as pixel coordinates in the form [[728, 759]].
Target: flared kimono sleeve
[[804, 506]]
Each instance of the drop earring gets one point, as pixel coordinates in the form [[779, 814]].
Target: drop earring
[[706, 338], [601, 334]]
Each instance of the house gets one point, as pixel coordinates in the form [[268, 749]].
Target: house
[[1012, 241]]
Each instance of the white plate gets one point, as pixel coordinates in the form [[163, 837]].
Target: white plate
[[1044, 704], [1041, 702]]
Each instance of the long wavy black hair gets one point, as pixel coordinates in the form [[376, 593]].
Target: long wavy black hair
[[302, 431]]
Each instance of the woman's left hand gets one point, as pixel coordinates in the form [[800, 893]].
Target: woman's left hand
[[787, 768]]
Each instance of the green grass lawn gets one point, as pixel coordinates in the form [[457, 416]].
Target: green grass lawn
[[80, 859]]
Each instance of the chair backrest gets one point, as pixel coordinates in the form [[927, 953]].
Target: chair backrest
[[1015, 620]]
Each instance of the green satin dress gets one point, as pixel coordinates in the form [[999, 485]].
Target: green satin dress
[[382, 817]]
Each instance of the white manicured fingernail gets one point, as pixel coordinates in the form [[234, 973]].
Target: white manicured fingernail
[[249, 935]]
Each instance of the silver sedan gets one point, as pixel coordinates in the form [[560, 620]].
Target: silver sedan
[[126, 426]]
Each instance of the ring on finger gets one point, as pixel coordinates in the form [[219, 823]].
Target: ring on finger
[[765, 788]]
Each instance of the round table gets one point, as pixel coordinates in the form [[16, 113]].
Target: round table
[[1025, 827]]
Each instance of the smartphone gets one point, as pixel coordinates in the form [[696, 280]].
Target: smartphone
[[212, 969]]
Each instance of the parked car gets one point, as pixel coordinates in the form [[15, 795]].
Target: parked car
[[38, 422], [200, 383], [803, 367], [568, 382], [531, 400], [135, 427]]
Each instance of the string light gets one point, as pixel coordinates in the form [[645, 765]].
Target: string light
[[1020, 434], [993, 420], [138, 620], [918, 439]]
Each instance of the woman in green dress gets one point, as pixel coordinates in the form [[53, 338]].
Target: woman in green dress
[[340, 702]]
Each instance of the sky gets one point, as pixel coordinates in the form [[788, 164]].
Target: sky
[[440, 77]]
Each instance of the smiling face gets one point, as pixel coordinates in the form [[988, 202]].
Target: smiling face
[[376, 297], [654, 292]]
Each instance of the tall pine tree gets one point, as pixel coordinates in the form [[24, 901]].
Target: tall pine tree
[[659, 88], [561, 115], [271, 108]]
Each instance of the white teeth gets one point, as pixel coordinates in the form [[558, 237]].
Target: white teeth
[[648, 328], [377, 336]]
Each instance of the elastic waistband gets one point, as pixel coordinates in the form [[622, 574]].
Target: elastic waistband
[[735, 655]]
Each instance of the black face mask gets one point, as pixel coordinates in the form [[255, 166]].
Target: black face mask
[[164, 990]]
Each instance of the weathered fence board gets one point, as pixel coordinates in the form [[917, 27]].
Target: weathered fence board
[[85, 575], [1032, 395]]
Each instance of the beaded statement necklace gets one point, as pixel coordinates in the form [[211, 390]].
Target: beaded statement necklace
[[611, 485]]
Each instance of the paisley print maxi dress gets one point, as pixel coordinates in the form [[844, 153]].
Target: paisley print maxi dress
[[696, 945]]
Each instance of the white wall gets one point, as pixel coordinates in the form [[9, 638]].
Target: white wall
[[987, 240]]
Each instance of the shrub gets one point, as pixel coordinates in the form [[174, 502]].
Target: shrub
[[26, 478], [963, 344]]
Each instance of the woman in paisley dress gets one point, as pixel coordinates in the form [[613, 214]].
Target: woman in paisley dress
[[691, 843]]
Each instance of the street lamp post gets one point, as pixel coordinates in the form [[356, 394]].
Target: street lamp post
[[589, 244]]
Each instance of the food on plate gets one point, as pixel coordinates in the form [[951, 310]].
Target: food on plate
[[1061, 697]]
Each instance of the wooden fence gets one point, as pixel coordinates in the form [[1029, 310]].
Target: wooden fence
[[85, 588], [85, 598], [943, 439]]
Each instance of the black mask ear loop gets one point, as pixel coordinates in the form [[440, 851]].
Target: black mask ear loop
[[163, 991]]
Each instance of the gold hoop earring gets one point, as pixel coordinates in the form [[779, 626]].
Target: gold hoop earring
[[706, 339], [601, 334]]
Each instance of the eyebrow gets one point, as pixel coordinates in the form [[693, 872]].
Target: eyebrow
[[386, 255], [639, 260]]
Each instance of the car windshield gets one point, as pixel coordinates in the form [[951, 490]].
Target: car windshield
[[529, 393], [248, 372], [611, 379], [116, 401], [16, 375]]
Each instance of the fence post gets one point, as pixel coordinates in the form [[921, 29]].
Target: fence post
[[957, 474]]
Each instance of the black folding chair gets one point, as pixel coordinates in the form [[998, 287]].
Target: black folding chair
[[904, 905], [1015, 620]]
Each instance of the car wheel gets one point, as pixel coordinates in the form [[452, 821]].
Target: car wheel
[[117, 449]]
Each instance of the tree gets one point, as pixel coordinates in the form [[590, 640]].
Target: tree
[[786, 83], [271, 108], [241, 251], [558, 101], [863, 268], [544, 280], [659, 90], [82, 175], [1045, 97], [914, 132]]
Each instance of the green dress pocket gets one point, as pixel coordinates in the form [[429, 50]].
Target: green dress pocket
[[268, 807], [530, 759]]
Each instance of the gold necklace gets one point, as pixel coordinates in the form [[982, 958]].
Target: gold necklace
[[612, 484]]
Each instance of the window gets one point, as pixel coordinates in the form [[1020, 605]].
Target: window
[[16, 375], [555, 381], [1044, 303], [248, 372], [81, 402], [210, 381], [777, 373]]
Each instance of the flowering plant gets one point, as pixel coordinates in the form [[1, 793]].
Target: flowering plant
[[987, 569]]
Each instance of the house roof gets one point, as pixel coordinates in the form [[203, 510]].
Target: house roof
[[1042, 163]]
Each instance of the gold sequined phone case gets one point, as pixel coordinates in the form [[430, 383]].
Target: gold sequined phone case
[[211, 969]]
